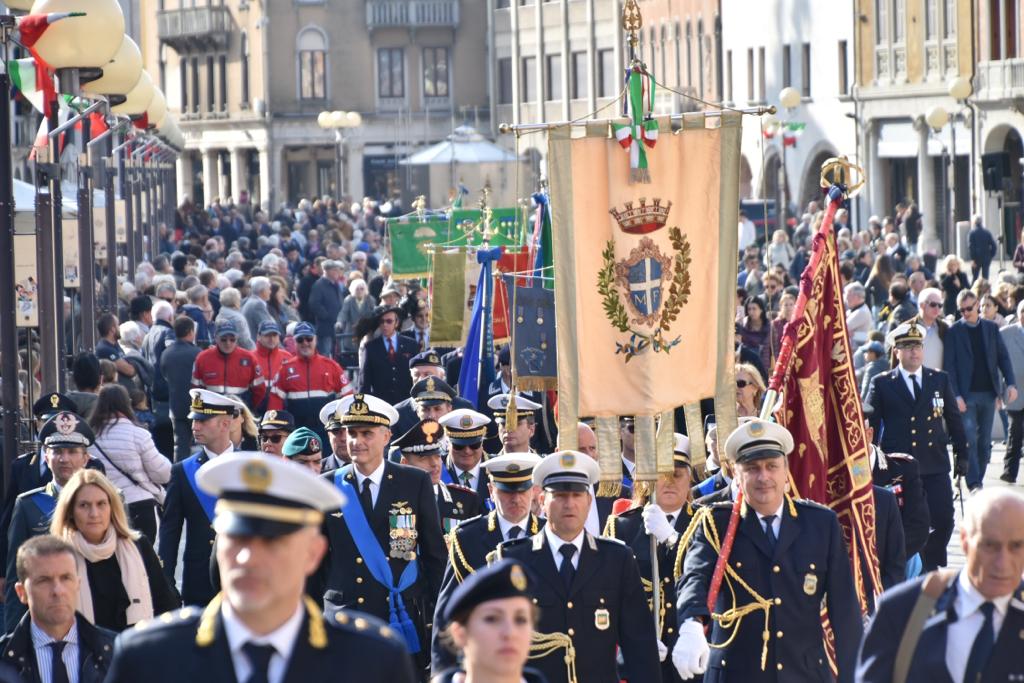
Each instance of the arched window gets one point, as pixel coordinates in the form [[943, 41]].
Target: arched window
[[311, 48]]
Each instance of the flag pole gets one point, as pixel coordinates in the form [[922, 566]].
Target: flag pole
[[520, 128]]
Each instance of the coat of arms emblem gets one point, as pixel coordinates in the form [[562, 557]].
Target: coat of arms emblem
[[644, 292]]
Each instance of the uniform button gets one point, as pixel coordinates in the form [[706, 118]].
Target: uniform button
[[779, 666], [913, 444], [359, 560], [359, 579], [572, 632], [535, 601], [670, 629], [360, 600], [929, 431], [912, 419], [778, 634], [929, 443], [739, 565], [569, 604], [776, 569], [811, 565], [778, 601], [913, 431]]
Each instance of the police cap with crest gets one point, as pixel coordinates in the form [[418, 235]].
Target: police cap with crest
[[430, 391], [757, 439], [303, 441], [523, 404], [504, 579], [465, 426], [429, 357], [263, 495], [66, 430], [51, 404], [277, 419], [207, 404], [681, 450], [366, 411], [512, 471], [566, 471], [906, 334], [329, 416], [423, 439]]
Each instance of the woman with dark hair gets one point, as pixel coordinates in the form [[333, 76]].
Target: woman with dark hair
[[878, 283], [131, 459], [755, 329], [278, 305]]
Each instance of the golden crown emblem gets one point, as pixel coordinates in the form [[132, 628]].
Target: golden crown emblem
[[643, 219]]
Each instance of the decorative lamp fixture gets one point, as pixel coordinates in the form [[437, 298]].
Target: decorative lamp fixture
[[137, 101], [20, 5], [156, 112], [789, 97], [959, 88], [120, 74], [936, 118], [353, 119], [89, 41]]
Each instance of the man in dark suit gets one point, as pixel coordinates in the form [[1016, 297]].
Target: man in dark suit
[[261, 627], [386, 553], [384, 361], [973, 630], [176, 364], [511, 488], [912, 410], [789, 555], [211, 416], [65, 436], [589, 589], [324, 306], [52, 642], [974, 356]]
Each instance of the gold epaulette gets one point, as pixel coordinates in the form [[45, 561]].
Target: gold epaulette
[[609, 526]]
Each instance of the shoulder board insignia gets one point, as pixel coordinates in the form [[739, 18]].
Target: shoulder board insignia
[[460, 487], [811, 503], [900, 456], [607, 539], [721, 505]]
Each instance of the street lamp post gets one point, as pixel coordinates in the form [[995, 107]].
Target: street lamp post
[[338, 121], [937, 117], [789, 98]]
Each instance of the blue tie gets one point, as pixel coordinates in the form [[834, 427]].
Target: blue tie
[[982, 648], [567, 571], [769, 531]]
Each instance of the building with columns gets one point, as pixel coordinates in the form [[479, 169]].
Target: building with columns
[[248, 78], [907, 52]]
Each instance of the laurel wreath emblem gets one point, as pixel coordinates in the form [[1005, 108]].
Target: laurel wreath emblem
[[678, 295]]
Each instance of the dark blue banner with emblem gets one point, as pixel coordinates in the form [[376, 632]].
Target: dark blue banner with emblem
[[534, 360]]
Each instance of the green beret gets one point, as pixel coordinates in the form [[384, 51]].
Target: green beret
[[303, 441]]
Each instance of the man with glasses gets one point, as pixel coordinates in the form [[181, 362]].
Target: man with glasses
[[270, 356], [929, 303], [465, 429], [275, 427], [384, 362], [420, 332], [912, 409], [307, 382], [975, 356], [227, 369]]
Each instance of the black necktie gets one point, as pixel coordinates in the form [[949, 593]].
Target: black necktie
[[366, 498], [514, 532], [259, 657], [982, 648], [567, 571], [60, 672], [769, 531], [917, 386]]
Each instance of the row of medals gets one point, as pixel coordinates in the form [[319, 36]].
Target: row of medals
[[403, 539]]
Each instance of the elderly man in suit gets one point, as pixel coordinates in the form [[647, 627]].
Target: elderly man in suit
[[971, 621]]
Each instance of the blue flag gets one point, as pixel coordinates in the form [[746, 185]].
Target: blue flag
[[478, 357]]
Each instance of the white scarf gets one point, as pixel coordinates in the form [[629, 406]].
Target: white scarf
[[133, 573]]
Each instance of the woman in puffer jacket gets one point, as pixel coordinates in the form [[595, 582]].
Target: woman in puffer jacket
[[131, 459]]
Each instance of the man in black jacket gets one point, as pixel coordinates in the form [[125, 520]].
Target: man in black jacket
[[384, 361], [325, 305], [176, 364], [52, 643]]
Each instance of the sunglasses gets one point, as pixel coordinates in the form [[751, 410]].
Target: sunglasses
[[967, 310], [467, 447], [303, 340], [272, 438], [742, 384], [933, 304]]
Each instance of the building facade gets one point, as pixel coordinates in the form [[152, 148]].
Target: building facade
[[248, 79], [907, 52]]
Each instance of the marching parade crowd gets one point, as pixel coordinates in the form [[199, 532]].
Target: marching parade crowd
[[393, 531]]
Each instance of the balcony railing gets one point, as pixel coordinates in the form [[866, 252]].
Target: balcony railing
[[999, 80], [194, 28], [412, 13]]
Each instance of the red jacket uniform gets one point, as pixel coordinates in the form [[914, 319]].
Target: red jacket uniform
[[235, 374], [270, 361], [303, 387]]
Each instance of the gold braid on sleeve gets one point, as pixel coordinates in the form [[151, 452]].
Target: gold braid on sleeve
[[458, 556], [686, 538], [544, 644]]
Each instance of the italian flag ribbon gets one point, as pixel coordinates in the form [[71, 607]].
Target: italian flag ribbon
[[641, 133]]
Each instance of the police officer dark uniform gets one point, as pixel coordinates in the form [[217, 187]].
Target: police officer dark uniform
[[465, 429], [64, 437], [406, 408], [274, 428], [589, 589], [337, 454], [668, 525], [421, 448], [431, 399], [187, 504], [504, 579], [518, 437], [788, 557], [267, 514], [511, 475], [922, 426], [386, 553]]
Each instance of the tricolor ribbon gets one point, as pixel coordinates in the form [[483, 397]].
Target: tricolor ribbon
[[641, 133]]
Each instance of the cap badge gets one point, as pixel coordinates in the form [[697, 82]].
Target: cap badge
[[54, 400], [270, 415], [430, 429], [756, 429], [197, 402], [430, 384], [517, 577], [466, 422], [359, 406], [568, 460], [256, 476], [433, 359], [512, 468], [314, 445], [66, 423]]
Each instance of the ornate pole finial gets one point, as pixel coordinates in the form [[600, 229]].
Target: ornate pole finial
[[632, 22], [420, 206]]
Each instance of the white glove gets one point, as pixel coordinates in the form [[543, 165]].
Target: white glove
[[662, 651], [690, 655], [656, 523]]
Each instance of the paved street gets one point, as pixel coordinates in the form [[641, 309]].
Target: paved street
[[995, 467]]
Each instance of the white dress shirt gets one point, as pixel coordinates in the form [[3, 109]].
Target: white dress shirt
[[504, 525], [776, 523], [474, 477], [630, 467], [282, 639], [44, 653], [375, 478], [555, 543], [969, 619], [910, 384], [211, 455]]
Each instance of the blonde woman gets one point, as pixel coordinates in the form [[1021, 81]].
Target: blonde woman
[[750, 389], [244, 429], [121, 580]]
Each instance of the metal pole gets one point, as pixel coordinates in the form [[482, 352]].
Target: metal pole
[[10, 403], [951, 182], [712, 114], [140, 229], [656, 596], [57, 247], [108, 209], [46, 286], [127, 191], [86, 250]]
